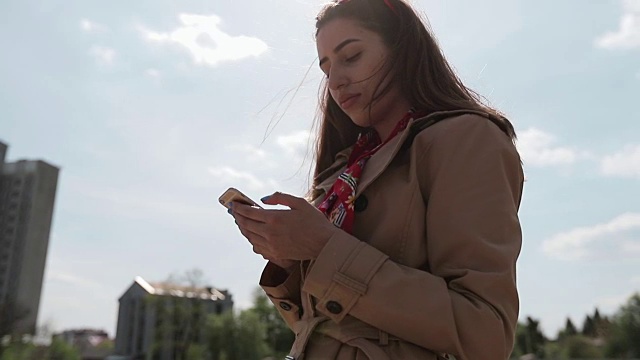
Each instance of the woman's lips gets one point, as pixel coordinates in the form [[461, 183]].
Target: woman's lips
[[349, 101]]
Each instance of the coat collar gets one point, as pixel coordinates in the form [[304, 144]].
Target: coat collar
[[379, 162], [375, 165]]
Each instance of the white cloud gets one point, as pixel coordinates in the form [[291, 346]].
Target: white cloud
[[92, 27], [537, 149], [153, 73], [250, 150], [205, 41], [104, 55], [625, 163], [630, 247], [241, 178], [628, 34], [295, 144], [619, 237]]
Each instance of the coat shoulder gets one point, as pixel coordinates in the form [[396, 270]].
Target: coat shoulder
[[451, 131]]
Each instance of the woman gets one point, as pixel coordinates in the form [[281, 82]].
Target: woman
[[407, 249]]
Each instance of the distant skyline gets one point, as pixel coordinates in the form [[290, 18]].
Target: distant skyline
[[152, 109]]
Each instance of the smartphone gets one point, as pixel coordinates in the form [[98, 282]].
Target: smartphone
[[233, 194]]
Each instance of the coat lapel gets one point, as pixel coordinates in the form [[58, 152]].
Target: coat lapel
[[335, 170], [380, 160]]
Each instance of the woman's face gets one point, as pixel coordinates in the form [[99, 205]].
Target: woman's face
[[353, 59]]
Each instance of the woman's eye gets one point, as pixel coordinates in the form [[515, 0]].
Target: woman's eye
[[353, 58]]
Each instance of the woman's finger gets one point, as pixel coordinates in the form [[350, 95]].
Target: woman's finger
[[253, 226], [254, 238], [250, 212], [279, 198]]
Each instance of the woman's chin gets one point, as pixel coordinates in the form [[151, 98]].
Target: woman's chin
[[361, 121]]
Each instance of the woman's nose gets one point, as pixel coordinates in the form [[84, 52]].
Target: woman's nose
[[337, 79]]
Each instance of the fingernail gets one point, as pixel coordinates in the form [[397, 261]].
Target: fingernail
[[265, 198]]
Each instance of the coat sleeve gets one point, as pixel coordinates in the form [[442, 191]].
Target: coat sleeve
[[283, 290], [466, 304]]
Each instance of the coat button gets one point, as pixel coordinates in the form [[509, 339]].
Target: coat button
[[284, 306], [334, 307], [361, 203]]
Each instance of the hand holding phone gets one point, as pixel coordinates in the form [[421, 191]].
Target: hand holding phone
[[233, 194]]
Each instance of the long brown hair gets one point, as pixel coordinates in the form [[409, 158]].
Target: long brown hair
[[419, 67]]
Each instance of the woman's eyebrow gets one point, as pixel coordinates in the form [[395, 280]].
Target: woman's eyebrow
[[338, 48]]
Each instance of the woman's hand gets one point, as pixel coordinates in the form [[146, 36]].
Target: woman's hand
[[298, 233]]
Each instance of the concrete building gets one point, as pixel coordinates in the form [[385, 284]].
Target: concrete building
[[155, 321], [27, 195]]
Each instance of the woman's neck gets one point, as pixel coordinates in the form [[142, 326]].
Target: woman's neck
[[389, 119]]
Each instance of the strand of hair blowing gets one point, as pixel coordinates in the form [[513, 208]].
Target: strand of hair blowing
[[431, 84]]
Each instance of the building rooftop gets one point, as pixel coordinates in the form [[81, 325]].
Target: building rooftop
[[168, 289]]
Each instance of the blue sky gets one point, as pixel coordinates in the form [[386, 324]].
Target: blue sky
[[153, 108]]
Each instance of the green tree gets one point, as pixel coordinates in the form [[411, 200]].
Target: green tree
[[252, 336], [179, 321], [278, 335], [107, 346], [529, 339], [10, 314], [196, 352], [553, 350], [60, 350], [596, 317], [580, 347], [235, 337], [179, 325], [569, 330], [624, 339], [57, 350], [602, 325], [220, 330], [18, 350], [588, 327], [182, 326]]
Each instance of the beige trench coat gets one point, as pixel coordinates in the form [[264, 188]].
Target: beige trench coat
[[430, 268]]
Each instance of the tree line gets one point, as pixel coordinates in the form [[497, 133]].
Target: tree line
[[598, 337], [255, 333], [259, 333]]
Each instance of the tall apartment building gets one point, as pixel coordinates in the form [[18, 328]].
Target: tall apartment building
[[157, 321], [27, 195]]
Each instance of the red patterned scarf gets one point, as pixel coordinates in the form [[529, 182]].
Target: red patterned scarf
[[338, 205]]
